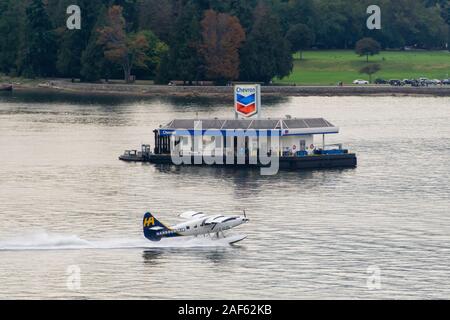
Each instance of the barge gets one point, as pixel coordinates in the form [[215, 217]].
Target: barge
[[227, 142], [247, 140]]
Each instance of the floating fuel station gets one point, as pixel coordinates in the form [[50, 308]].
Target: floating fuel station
[[246, 140]]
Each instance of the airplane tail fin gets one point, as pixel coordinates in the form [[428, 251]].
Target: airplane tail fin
[[152, 227]]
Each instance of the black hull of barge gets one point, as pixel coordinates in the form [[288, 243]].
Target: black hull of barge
[[310, 162]]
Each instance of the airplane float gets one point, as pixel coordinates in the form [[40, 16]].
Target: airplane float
[[198, 224]]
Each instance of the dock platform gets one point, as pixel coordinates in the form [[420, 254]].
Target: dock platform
[[347, 160]]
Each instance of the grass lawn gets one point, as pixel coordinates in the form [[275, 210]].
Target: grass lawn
[[330, 67]]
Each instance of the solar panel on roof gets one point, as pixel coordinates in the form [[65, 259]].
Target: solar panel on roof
[[236, 124], [169, 125], [316, 123], [265, 124], [329, 123], [257, 124], [183, 124], [210, 124], [295, 124]]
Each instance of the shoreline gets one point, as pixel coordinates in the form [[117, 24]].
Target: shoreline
[[226, 92]]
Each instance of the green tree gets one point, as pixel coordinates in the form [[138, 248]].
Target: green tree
[[157, 16], [413, 23], [301, 37], [11, 27], [446, 16], [367, 47], [337, 24], [434, 31], [164, 72], [155, 53], [71, 48], [293, 12], [184, 62], [222, 37], [93, 61], [38, 54], [370, 70], [243, 10], [127, 50], [74, 42], [94, 65], [130, 13], [266, 53]]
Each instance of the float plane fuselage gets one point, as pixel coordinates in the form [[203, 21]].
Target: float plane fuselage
[[198, 224]]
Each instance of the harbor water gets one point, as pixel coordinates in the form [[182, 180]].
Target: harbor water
[[71, 212]]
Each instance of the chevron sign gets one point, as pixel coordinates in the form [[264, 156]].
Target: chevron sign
[[246, 99]]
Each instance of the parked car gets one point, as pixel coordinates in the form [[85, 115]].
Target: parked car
[[360, 82], [436, 81], [408, 81], [446, 82], [396, 82], [380, 81]]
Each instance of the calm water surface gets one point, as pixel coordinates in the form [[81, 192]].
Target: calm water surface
[[65, 200]]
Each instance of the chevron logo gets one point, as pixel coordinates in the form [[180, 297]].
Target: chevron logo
[[245, 98]]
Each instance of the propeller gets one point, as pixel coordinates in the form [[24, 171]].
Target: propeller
[[245, 215]]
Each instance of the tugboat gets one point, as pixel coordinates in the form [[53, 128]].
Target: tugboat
[[136, 156]]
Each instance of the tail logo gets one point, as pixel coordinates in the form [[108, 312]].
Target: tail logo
[[150, 221]]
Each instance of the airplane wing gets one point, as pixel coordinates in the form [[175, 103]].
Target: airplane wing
[[192, 215], [216, 219]]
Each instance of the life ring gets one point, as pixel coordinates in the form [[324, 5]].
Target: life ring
[[311, 147], [294, 147]]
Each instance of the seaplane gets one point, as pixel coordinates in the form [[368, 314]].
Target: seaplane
[[197, 224]]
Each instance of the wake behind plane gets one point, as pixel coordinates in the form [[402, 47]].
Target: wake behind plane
[[197, 224]]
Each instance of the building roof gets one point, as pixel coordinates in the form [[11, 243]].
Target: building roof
[[293, 126], [268, 124]]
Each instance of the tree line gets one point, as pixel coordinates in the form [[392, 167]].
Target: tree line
[[193, 40]]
